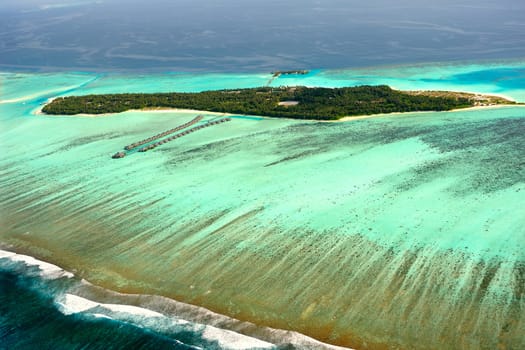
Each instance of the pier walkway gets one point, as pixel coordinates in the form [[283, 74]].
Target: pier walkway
[[165, 133], [171, 138], [184, 133]]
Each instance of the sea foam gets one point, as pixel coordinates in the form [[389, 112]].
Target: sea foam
[[69, 304], [74, 304], [47, 270]]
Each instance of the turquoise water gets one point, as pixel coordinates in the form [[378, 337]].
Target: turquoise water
[[402, 230], [498, 78]]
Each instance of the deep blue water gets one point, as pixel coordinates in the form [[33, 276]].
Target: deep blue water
[[28, 319], [235, 35]]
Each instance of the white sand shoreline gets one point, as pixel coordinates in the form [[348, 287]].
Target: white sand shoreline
[[145, 110], [358, 117], [343, 119]]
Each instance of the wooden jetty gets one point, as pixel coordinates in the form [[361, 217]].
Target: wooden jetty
[[184, 133], [162, 134]]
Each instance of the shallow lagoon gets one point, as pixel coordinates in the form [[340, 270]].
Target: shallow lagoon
[[401, 230]]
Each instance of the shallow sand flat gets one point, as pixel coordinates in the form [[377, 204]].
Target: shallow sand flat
[[400, 230], [476, 108], [20, 87]]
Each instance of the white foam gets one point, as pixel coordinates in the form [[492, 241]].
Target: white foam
[[132, 310], [102, 316], [70, 304], [302, 341], [47, 270], [74, 304], [234, 341], [6, 254]]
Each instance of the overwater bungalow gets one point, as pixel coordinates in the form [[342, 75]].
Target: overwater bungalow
[[118, 155]]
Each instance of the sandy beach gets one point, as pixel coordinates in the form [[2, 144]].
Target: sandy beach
[[344, 119], [145, 110], [350, 118]]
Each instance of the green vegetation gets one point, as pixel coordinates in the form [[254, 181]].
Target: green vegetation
[[284, 102]]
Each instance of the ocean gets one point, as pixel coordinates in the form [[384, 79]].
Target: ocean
[[400, 231], [254, 36]]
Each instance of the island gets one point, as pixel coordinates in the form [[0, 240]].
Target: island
[[290, 72], [296, 102]]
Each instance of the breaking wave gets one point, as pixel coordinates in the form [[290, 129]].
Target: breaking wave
[[154, 320]]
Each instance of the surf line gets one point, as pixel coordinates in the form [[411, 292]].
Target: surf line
[[166, 133]]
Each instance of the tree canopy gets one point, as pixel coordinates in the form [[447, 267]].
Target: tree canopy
[[312, 103]]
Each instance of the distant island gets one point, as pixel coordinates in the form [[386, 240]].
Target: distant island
[[282, 102], [290, 72]]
